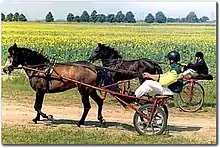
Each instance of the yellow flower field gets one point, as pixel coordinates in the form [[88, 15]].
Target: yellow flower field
[[133, 41]]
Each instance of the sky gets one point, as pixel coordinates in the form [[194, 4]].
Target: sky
[[37, 9]]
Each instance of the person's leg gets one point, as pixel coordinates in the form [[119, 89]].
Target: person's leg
[[148, 86], [167, 91], [190, 72]]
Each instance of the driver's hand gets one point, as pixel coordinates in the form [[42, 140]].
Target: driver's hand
[[146, 75]]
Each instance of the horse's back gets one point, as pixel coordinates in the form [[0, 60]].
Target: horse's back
[[61, 76]]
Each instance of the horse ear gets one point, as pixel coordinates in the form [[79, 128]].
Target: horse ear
[[15, 45], [99, 44]]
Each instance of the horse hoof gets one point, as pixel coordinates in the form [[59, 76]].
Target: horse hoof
[[103, 121], [50, 117], [80, 123], [35, 120]]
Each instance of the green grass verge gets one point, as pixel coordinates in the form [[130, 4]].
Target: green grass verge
[[18, 89], [20, 134]]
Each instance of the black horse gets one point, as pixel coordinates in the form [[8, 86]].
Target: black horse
[[111, 58], [49, 79]]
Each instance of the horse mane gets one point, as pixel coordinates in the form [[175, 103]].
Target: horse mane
[[33, 55], [114, 52]]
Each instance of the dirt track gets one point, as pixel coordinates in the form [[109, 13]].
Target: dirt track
[[197, 125]]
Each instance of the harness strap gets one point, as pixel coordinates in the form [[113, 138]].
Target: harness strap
[[48, 73]]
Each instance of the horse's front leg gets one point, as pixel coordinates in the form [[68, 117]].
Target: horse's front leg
[[38, 105]]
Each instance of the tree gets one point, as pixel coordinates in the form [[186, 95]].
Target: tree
[[93, 16], [204, 19], [171, 20], [84, 17], [49, 17], [149, 18], [70, 17], [2, 17], [183, 20], [192, 18], [119, 17], [100, 18], [22, 18], [129, 17], [15, 17], [178, 20], [77, 18], [110, 18], [160, 17], [9, 17]]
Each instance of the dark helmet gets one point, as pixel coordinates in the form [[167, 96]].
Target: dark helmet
[[173, 55], [199, 54]]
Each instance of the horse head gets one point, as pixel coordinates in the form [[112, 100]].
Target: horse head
[[104, 52], [22, 56]]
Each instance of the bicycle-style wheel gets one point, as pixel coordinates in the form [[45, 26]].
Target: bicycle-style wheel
[[191, 98], [156, 127]]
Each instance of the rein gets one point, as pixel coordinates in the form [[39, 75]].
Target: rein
[[163, 63], [32, 67], [112, 69]]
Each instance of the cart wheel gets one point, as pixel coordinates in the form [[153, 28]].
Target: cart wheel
[[157, 125], [193, 103], [164, 107]]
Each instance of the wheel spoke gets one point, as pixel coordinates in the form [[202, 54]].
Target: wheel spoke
[[197, 97], [156, 126]]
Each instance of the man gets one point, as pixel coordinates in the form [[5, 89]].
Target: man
[[199, 67], [164, 84]]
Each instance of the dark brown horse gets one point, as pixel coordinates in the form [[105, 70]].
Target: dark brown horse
[[111, 58], [49, 80]]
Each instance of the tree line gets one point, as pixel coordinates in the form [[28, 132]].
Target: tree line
[[161, 18], [128, 18], [13, 17], [95, 17], [119, 17]]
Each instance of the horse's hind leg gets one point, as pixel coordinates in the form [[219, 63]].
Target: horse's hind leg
[[87, 106], [99, 102], [38, 105]]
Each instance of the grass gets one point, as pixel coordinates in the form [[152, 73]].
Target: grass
[[18, 87], [18, 90], [21, 134], [151, 41]]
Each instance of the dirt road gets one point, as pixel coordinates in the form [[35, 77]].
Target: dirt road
[[197, 125]]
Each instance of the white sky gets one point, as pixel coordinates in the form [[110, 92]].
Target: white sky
[[37, 9]]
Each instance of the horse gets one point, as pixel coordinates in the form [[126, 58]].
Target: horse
[[48, 78], [110, 57]]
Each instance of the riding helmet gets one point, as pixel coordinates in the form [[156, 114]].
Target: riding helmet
[[173, 55], [199, 54]]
